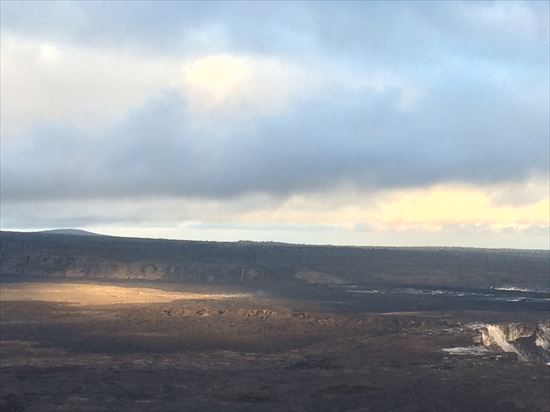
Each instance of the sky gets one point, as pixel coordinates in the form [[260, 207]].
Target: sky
[[348, 123]]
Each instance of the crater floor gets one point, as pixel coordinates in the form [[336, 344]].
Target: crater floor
[[253, 352]]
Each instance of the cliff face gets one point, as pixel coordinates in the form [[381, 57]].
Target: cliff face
[[531, 343], [543, 336], [60, 255], [103, 257], [81, 266]]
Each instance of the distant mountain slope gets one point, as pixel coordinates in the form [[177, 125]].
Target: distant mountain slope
[[106, 257], [78, 232]]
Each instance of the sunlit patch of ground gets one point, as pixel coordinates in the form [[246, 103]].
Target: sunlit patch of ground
[[91, 294]]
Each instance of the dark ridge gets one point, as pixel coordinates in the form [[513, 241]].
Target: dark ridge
[[58, 255], [76, 232]]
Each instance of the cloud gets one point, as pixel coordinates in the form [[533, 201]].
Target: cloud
[[430, 209], [364, 138], [372, 28], [53, 83], [520, 193], [215, 104]]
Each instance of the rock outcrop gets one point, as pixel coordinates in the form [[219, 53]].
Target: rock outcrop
[[531, 343]]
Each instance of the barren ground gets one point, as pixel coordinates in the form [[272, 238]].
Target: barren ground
[[210, 350], [96, 294]]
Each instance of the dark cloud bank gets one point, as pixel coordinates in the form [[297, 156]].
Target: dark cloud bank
[[468, 127], [365, 140]]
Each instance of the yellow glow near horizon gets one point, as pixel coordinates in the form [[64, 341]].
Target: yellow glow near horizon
[[451, 215], [214, 78], [439, 206], [428, 209]]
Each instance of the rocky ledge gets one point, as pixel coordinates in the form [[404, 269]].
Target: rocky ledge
[[530, 342]]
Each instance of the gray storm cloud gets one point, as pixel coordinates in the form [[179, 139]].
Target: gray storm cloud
[[482, 119], [363, 140]]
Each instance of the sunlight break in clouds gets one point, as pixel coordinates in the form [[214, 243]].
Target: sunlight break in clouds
[[216, 77], [48, 83], [246, 85]]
